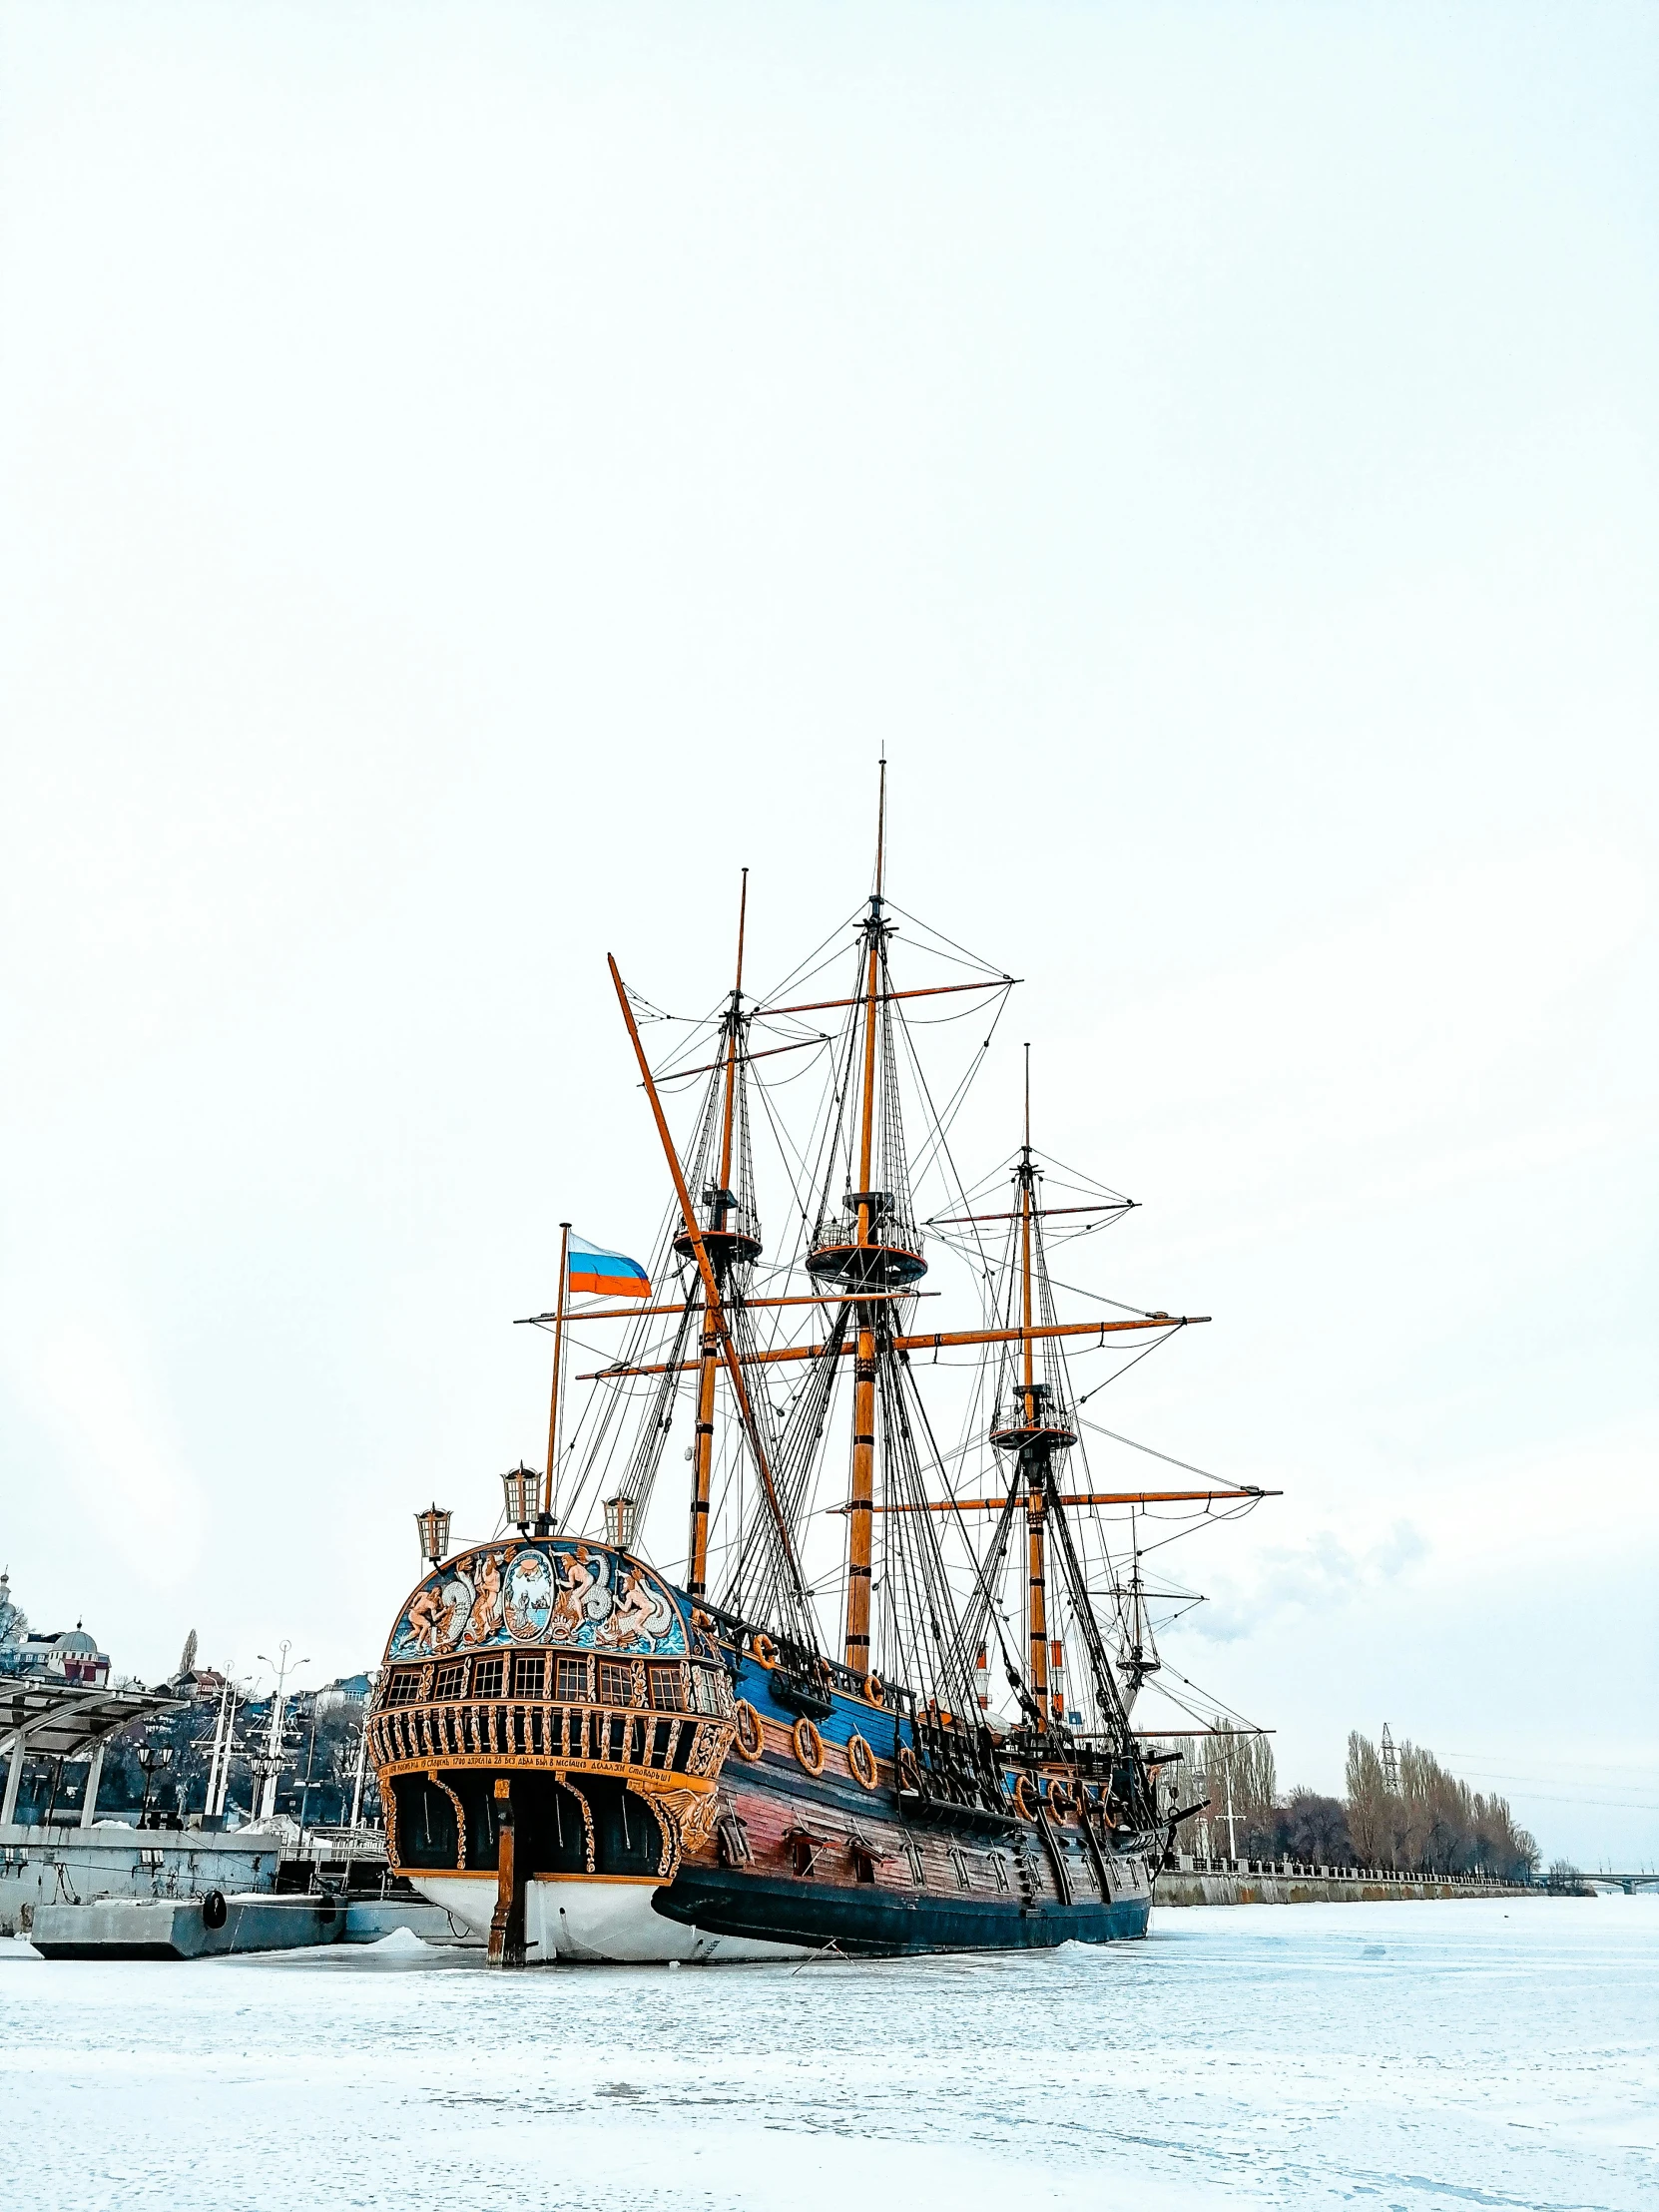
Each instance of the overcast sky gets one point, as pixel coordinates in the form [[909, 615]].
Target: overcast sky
[[475, 476]]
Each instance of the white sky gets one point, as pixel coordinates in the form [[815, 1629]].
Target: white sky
[[476, 475]]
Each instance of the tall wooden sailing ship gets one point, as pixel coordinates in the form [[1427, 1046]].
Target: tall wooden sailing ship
[[886, 1707]]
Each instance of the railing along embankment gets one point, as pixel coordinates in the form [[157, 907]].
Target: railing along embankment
[[1190, 1881]]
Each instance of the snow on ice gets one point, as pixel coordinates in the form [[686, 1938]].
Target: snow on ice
[[1419, 2056]]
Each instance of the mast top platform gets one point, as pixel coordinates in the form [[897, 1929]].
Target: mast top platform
[[731, 1230], [889, 1255]]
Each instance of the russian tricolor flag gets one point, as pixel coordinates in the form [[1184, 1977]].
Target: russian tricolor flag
[[608, 1274]]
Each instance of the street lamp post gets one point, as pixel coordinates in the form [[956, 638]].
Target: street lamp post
[[221, 1750], [154, 1759], [234, 1695], [274, 1753], [310, 1761]]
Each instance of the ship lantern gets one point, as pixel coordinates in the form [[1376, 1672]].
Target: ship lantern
[[620, 1515], [522, 1485], [434, 1532], [983, 1679]]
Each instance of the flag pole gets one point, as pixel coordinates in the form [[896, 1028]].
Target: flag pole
[[553, 1410]]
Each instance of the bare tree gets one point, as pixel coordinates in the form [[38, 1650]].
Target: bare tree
[[1235, 1767], [1369, 1815], [1434, 1824]]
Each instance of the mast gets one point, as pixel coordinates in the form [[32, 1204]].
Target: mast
[[698, 1249], [1033, 1463], [1140, 1656], [703, 1454], [1036, 1433], [861, 1492], [558, 1362], [731, 1032]]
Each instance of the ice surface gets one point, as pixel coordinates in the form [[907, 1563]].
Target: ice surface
[[1495, 2054]]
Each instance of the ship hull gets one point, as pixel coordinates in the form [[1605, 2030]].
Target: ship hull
[[706, 1804], [878, 1925], [712, 1916]]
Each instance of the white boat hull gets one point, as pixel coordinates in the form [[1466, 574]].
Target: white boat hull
[[571, 1919]]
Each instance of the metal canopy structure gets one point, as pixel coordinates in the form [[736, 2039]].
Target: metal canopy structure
[[68, 1720]]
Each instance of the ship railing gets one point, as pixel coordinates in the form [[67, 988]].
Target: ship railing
[[734, 1629], [549, 1734], [1054, 1415], [892, 1231]]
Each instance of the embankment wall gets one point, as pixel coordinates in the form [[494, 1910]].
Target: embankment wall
[[1276, 1888]]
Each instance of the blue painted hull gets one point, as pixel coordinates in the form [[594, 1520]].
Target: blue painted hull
[[881, 1917], [878, 1923]]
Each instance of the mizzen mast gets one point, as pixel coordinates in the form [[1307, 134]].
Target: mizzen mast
[[730, 1240], [714, 1304]]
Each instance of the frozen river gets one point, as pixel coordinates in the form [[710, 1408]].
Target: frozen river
[[1410, 2055]]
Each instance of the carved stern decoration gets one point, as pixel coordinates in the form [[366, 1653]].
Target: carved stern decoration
[[548, 1711]]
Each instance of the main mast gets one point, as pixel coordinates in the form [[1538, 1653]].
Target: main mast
[[867, 1245], [1037, 1484], [861, 1490]]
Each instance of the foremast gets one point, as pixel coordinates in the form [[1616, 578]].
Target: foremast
[[1034, 1427], [1037, 1439]]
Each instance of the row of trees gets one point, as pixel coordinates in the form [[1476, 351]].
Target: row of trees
[[1427, 1822], [1432, 1820]]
